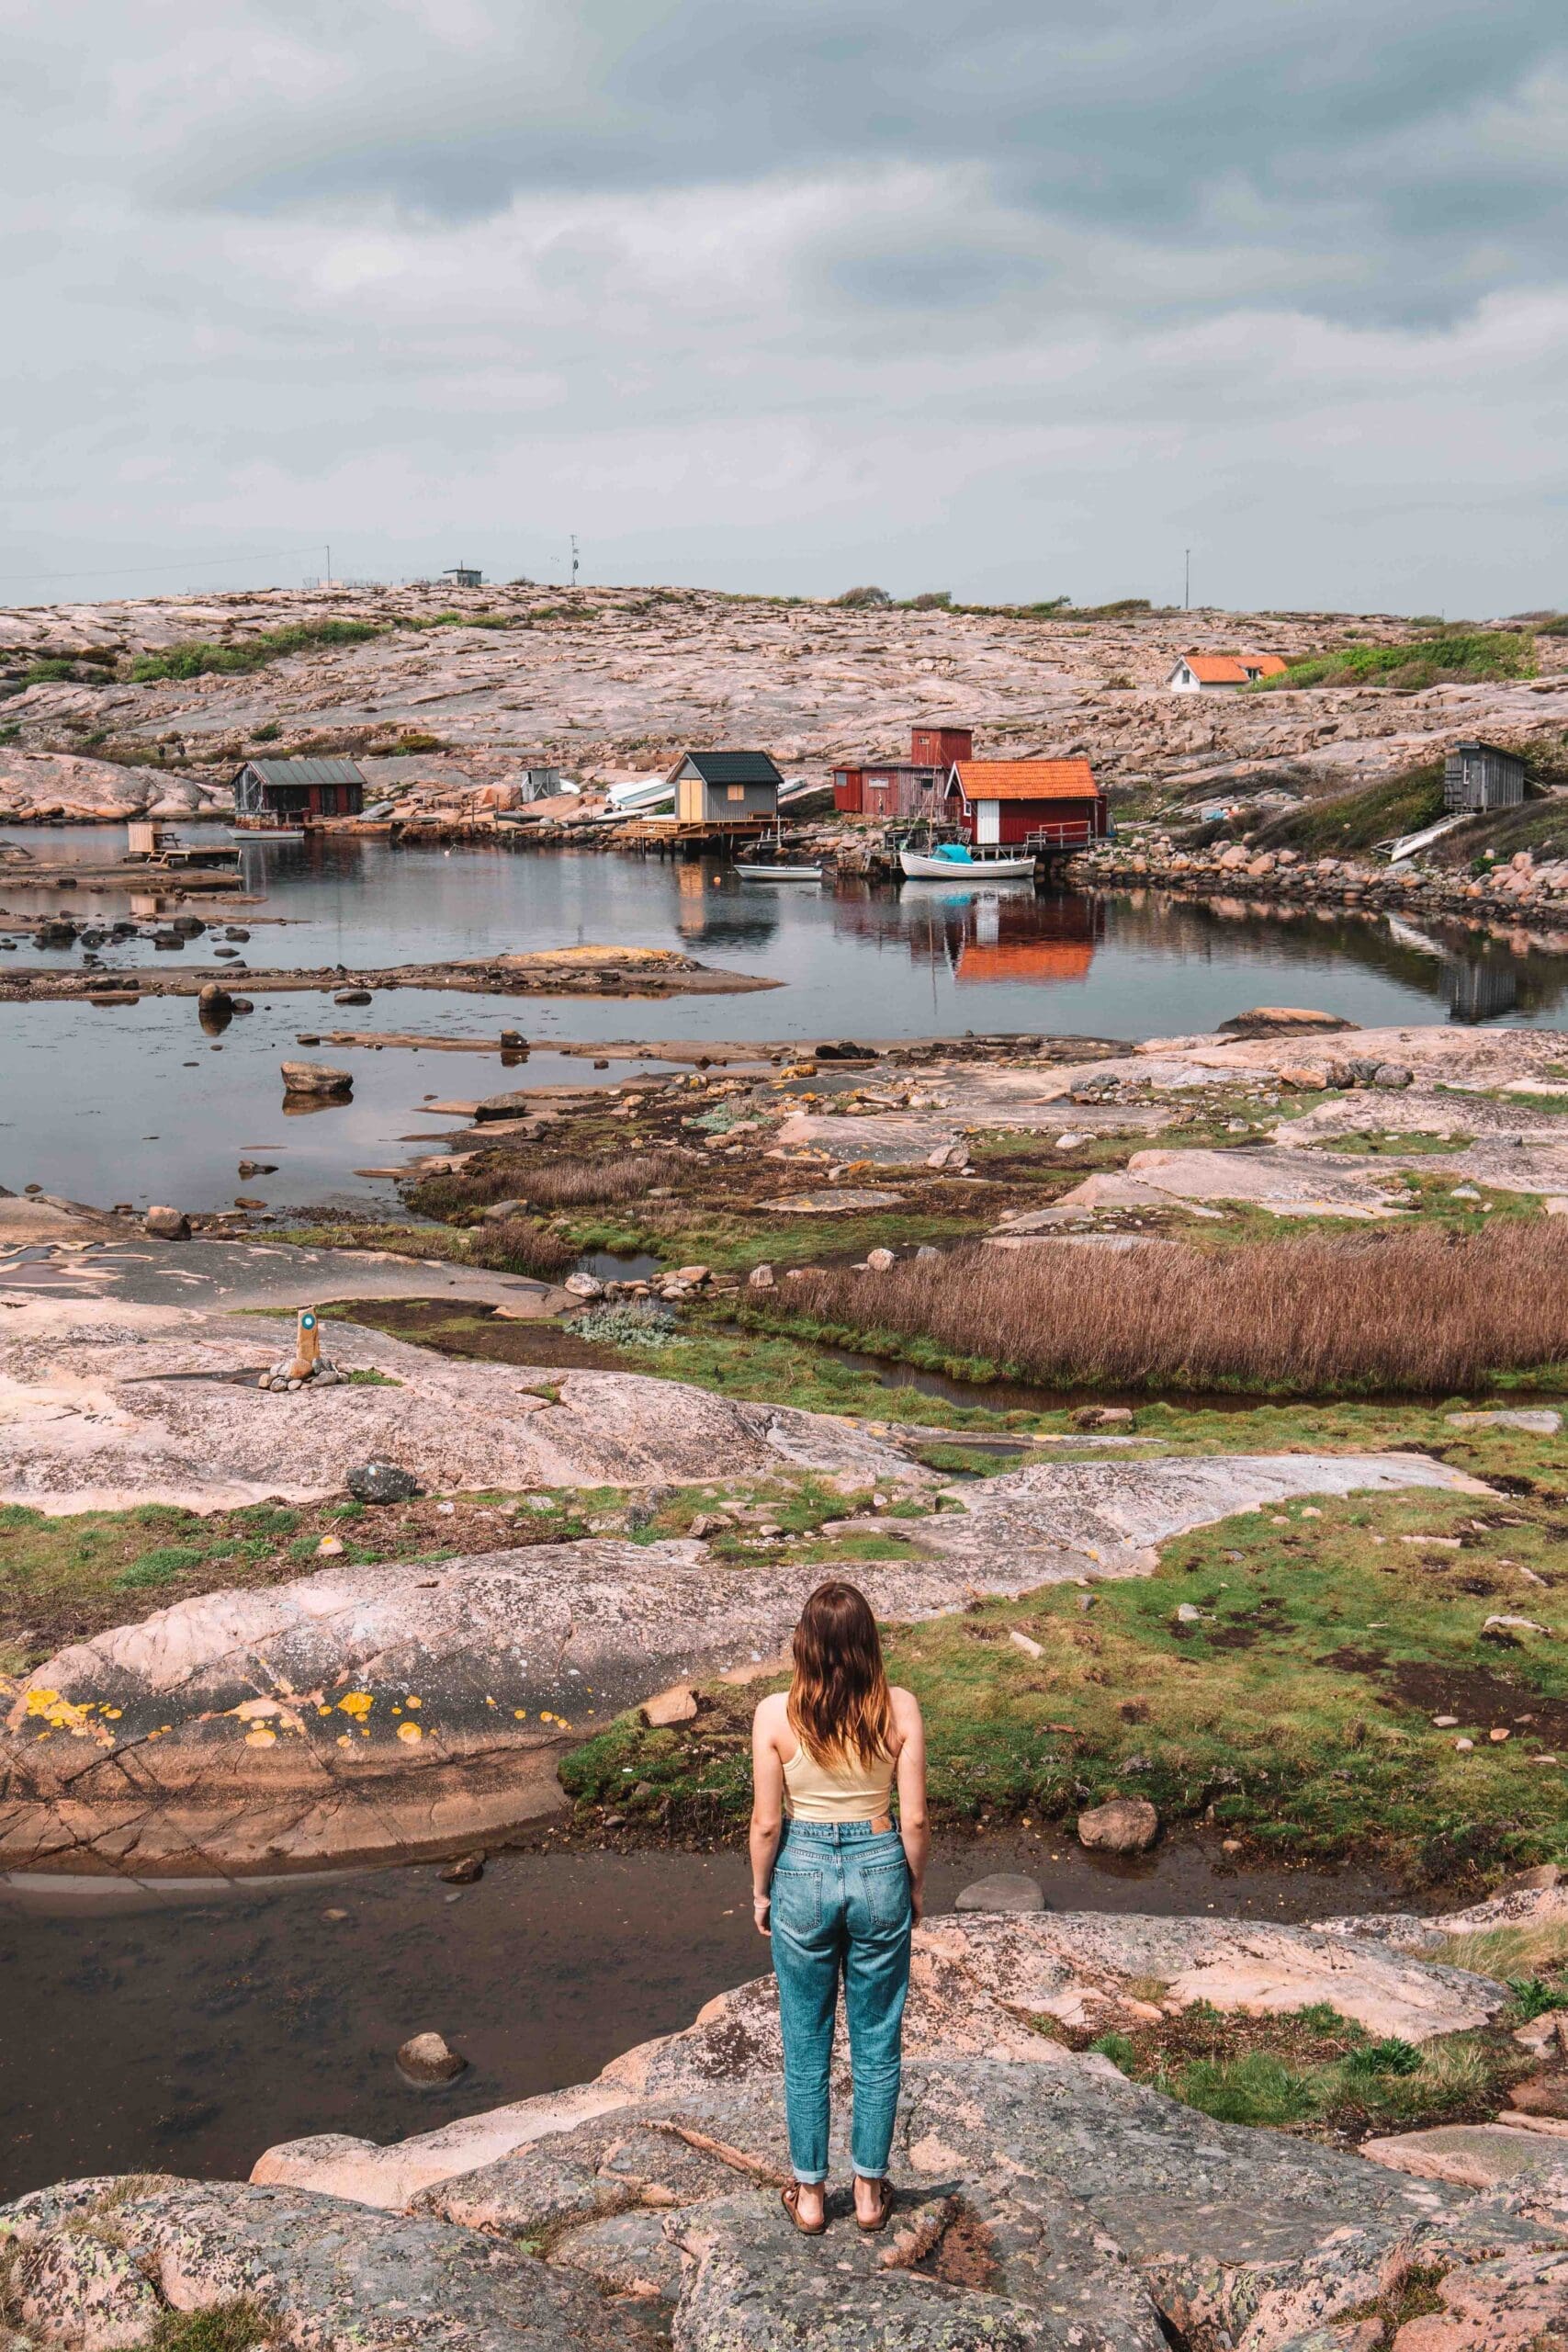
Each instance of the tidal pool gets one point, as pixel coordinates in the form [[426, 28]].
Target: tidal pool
[[175, 2029]]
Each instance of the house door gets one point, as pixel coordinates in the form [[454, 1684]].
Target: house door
[[987, 823]]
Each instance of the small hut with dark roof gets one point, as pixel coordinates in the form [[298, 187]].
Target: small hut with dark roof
[[294, 791], [724, 788]]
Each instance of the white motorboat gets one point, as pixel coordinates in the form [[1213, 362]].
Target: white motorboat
[[774, 870], [956, 864], [259, 833]]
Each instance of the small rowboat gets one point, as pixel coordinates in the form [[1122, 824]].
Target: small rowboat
[[266, 832], [918, 866], [767, 870]]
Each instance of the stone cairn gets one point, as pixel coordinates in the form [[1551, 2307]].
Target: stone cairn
[[308, 1367]]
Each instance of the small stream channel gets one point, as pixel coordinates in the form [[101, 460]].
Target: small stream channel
[[182, 2030]]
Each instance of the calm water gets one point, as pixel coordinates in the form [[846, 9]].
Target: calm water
[[136, 1104], [221, 2023]]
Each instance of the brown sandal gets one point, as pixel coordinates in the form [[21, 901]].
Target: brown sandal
[[883, 2212], [790, 2199]]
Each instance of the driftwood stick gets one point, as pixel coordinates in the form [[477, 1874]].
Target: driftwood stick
[[736, 2158]]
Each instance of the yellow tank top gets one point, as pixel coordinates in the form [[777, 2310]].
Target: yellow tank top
[[854, 1791]]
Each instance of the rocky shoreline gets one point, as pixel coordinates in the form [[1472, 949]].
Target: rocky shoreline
[[1519, 893], [1044, 2201]]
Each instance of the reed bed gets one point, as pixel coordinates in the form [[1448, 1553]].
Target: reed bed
[[549, 1185], [1418, 1312]]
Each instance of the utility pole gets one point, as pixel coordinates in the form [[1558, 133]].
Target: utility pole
[[329, 578], [1186, 585], [574, 559]]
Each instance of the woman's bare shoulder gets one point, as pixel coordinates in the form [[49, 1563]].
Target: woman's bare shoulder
[[906, 1707], [772, 1712]]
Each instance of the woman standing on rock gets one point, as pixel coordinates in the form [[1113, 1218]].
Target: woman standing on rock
[[838, 1887]]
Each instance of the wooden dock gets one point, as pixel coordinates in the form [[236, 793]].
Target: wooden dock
[[674, 836]]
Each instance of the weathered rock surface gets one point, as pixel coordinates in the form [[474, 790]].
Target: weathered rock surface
[[97, 2263], [111, 1405], [1051, 1519], [365, 1711], [1043, 2203]]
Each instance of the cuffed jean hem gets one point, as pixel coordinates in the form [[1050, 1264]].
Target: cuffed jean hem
[[811, 2181]]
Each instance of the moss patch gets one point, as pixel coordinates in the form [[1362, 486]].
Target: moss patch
[[1316, 2074]]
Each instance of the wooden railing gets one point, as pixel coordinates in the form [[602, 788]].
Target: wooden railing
[[1070, 833]]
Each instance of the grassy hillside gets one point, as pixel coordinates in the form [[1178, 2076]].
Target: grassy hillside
[[1345, 824], [1467, 658]]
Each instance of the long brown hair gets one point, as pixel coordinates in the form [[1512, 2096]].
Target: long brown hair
[[839, 1706]]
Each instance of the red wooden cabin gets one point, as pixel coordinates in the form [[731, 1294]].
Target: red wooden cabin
[[1026, 804]]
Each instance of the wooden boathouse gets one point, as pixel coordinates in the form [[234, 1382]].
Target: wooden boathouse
[[298, 792], [1052, 807]]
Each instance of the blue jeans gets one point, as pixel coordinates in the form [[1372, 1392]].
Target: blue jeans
[[840, 1904]]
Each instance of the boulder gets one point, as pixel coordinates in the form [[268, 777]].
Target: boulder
[[582, 1285], [318, 1078], [760, 1278], [1124, 1825], [1275, 1020], [1003, 1891], [427, 2058], [1542, 1421], [676, 1706], [166, 1225], [381, 1482], [879, 1262]]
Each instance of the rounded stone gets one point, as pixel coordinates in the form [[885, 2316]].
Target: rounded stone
[[1003, 1891], [428, 2058], [381, 1482], [1124, 1825]]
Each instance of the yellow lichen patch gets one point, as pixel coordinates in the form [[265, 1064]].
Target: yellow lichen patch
[[410, 1732], [60, 1714], [261, 1737], [521, 1714], [410, 1700], [357, 1703]]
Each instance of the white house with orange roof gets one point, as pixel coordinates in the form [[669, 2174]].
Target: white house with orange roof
[[1222, 673]]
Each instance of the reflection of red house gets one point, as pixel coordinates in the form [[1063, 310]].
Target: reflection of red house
[[904, 788], [1024, 959], [1041, 804]]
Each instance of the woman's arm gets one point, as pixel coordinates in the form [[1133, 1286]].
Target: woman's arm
[[767, 1809], [913, 1822]]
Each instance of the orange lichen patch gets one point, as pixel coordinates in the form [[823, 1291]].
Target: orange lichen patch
[[410, 1732], [357, 1703], [261, 1737], [408, 1700], [60, 1714]]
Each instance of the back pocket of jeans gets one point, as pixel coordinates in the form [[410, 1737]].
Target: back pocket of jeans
[[887, 1888], [798, 1900]]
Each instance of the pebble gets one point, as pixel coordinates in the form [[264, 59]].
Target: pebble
[[1464, 1745], [428, 2058], [1446, 1723]]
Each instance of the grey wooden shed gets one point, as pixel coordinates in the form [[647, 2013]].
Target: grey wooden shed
[[1482, 775], [725, 788]]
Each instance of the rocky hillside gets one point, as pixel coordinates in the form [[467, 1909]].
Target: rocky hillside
[[171, 691]]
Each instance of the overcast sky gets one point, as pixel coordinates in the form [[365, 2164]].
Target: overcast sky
[[1009, 298]]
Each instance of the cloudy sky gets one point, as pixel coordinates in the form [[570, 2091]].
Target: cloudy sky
[[1011, 298]]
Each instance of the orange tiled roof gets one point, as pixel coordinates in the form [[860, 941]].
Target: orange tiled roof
[[1232, 668], [1026, 779]]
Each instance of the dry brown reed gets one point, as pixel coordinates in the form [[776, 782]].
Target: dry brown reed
[[1421, 1311], [547, 1184]]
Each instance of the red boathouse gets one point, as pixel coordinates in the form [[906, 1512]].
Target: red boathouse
[[1044, 805]]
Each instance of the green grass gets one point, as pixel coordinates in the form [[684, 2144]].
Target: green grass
[[1315, 2073], [1279, 1717], [233, 2326], [1344, 824], [196, 656], [1463, 658]]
